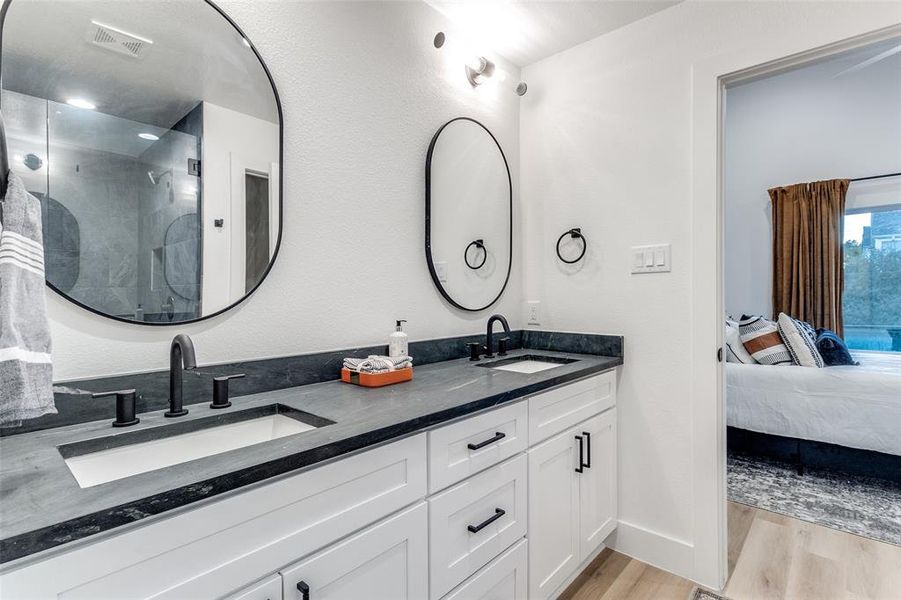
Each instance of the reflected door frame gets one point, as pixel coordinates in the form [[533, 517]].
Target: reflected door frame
[[239, 167]]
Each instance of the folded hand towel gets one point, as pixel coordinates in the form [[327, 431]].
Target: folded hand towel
[[26, 374], [377, 364]]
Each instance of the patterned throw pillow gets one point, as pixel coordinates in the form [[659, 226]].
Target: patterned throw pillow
[[735, 350], [762, 341], [800, 339], [833, 349]]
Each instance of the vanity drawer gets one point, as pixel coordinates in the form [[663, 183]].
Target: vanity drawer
[[561, 408], [504, 578], [267, 589], [218, 547], [474, 521], [462, 449]]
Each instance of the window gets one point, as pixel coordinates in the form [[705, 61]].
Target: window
[[872, 298]]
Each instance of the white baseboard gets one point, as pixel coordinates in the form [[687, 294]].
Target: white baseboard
[[656, 549]]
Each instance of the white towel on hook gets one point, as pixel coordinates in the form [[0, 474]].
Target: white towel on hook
[[26, 371]]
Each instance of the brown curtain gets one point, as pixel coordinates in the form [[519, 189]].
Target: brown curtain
[[808, 278]]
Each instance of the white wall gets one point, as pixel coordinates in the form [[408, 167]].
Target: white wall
[[608, 143], [363, 90], [803, 125]]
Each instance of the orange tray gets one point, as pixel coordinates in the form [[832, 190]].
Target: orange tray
[[377, 379]]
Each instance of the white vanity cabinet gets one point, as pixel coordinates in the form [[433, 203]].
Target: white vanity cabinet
[[504, 578], [222, 545], [388, 561], [506, 504], [269, 588], [572, 486]]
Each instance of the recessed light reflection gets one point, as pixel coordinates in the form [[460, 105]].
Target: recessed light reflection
[[245, 42], [148, 136], [81, 103]]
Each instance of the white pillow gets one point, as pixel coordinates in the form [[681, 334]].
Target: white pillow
[[763, 341], [735, 350], [800, 339]]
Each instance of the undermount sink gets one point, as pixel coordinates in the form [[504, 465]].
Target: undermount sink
[[529, 363], [106, 459]]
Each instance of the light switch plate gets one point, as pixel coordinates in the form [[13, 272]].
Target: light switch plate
[[441, 271], [655, 258], [533, 312]]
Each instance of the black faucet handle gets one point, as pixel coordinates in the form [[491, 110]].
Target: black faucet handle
[[125, 406], [502, 346], [475, 349], [220, 390]]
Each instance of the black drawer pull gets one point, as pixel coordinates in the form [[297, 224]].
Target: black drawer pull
[[579, 469], [587, 448], [304, 590], [498, 513], [498, 435]]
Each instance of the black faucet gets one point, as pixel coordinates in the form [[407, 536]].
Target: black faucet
[[181, 356], [489, 343]]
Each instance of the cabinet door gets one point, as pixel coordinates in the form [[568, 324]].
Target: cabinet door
[[267, 589], [504, 578], [388, 561], [597, 482], [553, 513]]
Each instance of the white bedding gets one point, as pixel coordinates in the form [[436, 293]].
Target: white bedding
[[858, 407]]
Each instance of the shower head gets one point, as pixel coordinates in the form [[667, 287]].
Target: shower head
[[155, 177]]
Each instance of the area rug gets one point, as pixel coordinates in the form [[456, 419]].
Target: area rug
[[863, 506], [701, 594]]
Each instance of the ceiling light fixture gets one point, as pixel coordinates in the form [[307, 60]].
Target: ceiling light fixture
[[81, 103], [479, 71], [148, 136]]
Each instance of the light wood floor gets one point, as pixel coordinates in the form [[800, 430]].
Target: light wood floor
[[771, 556]]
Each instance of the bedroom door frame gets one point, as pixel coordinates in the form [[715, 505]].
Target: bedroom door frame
[[710, 79]]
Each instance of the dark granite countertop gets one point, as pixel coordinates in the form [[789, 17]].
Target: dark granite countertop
[[43, 506]]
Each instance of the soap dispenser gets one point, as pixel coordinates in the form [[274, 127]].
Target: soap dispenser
[[397, 341]]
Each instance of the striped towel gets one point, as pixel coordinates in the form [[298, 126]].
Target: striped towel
[[377, 364], [26, 373]]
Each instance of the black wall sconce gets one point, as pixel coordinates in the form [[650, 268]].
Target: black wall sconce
[[479, 245], [574, 233]]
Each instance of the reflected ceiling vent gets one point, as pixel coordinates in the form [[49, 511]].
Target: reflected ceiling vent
[[118, 41]]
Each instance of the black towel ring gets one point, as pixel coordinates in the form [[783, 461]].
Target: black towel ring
[[478, 244], [575, 233]]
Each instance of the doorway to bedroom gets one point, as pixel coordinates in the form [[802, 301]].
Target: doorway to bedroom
[[812, 291]]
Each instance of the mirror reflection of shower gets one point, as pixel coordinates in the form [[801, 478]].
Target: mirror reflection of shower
[[156, 177]]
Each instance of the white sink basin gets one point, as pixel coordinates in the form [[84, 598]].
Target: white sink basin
[[111, 464], [529, 363], [527, 366]]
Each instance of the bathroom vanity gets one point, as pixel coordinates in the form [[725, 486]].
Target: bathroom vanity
[[468, 482]]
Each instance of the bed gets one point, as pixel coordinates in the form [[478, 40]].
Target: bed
[[852, 407]]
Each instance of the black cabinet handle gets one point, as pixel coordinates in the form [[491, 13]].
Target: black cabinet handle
[[498, 513], [587, 448], [498, 435], [579, 469], [304, 590]]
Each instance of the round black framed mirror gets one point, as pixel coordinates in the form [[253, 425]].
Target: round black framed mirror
[[468, 215], [156, 129]]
